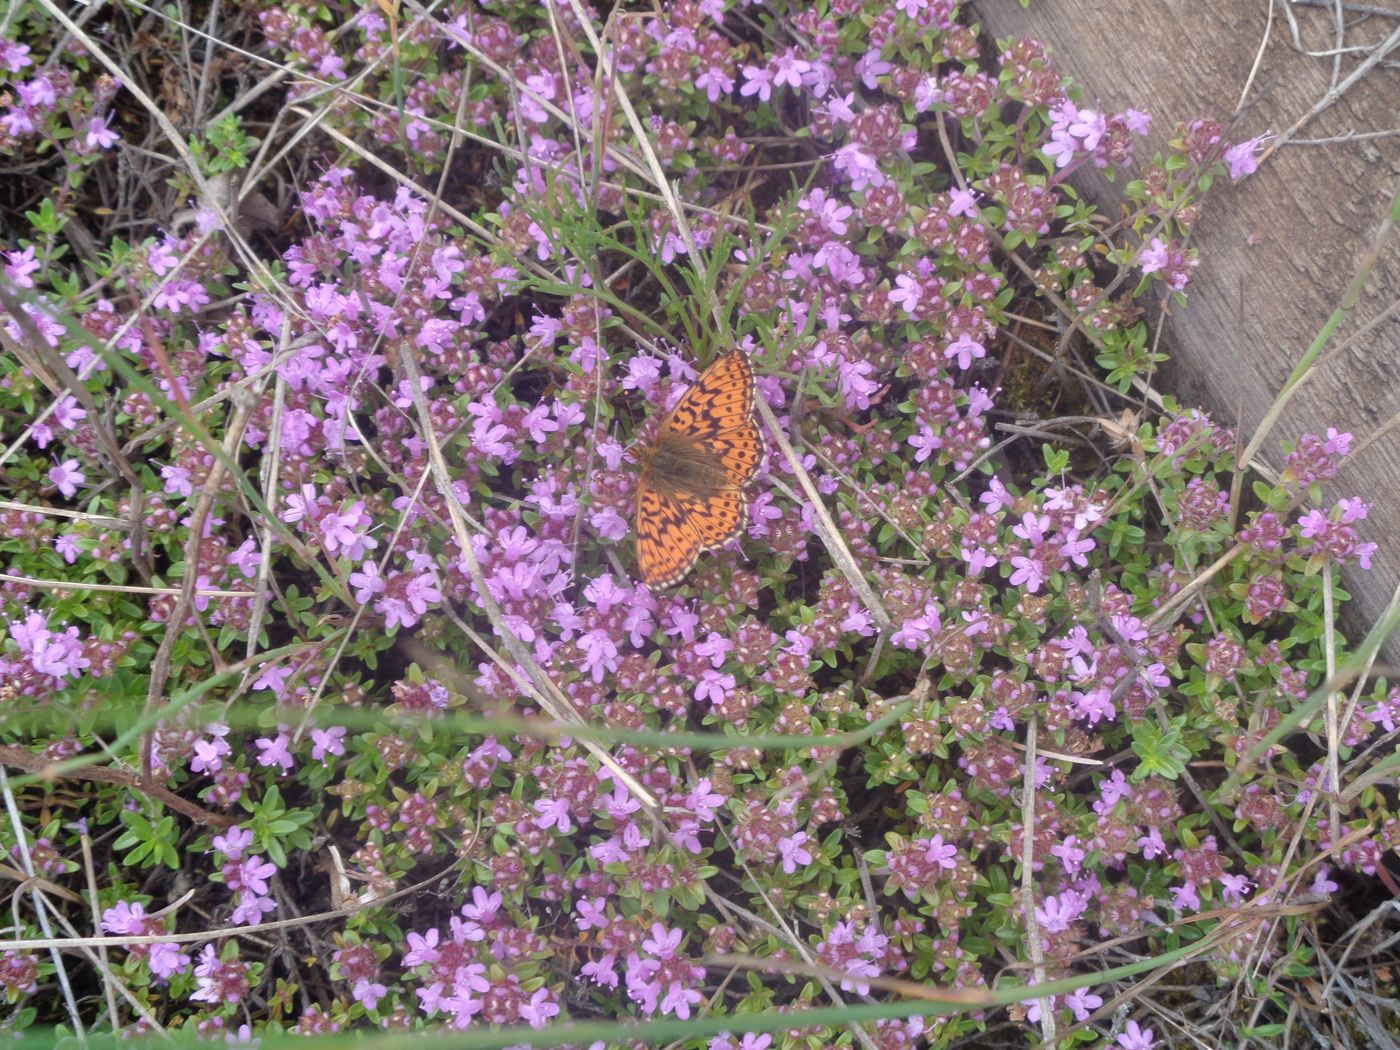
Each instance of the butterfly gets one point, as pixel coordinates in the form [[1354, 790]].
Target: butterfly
[[691, 494]]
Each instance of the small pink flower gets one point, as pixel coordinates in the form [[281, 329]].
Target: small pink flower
[[1135, 1038], [68, 475], [794, 852], [99, 135], [965, 350], [233, 842], [1242, 158], [327, 742]]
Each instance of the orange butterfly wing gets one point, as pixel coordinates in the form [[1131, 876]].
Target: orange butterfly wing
[[716, 517], [715, 419], [720, 400], [667, 542], [741, 451]]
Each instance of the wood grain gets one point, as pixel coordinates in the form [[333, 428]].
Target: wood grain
[[1278, 248]]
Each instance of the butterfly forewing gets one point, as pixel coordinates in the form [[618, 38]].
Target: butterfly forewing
[[720, 400], [739, 451]]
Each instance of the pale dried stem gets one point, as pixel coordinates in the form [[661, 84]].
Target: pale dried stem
[[1034, 948], [1172, 608], [863, 498], [1258, 58], [95, 910], [101, 521], [113, 588], [1335, 93], [271, 479], [175, 623], [1334, 743], [390, 549], [788, 934], [543, 691], [97, 955], [41, 908], [51, 943]]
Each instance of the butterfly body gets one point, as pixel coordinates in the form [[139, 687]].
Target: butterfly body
[[691, 494], [678, 466]]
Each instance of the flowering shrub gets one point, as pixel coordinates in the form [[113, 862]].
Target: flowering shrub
[[347, 642]]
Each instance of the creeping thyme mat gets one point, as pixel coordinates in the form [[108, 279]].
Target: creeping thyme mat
[[1007, 712]]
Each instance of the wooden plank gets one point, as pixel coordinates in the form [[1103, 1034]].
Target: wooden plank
[[1278, 248]]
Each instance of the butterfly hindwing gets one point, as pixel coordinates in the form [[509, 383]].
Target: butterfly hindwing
[[667, 542], [716, 517]]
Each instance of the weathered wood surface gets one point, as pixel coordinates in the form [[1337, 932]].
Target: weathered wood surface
[[1279, 248]]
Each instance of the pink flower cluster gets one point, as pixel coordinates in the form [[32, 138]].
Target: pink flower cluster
[[1331, 534], [246, 876], [459, 986], [129, 919], [44, 659]]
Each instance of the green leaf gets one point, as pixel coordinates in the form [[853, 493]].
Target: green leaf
[[1056, 459], [1160, 753]]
